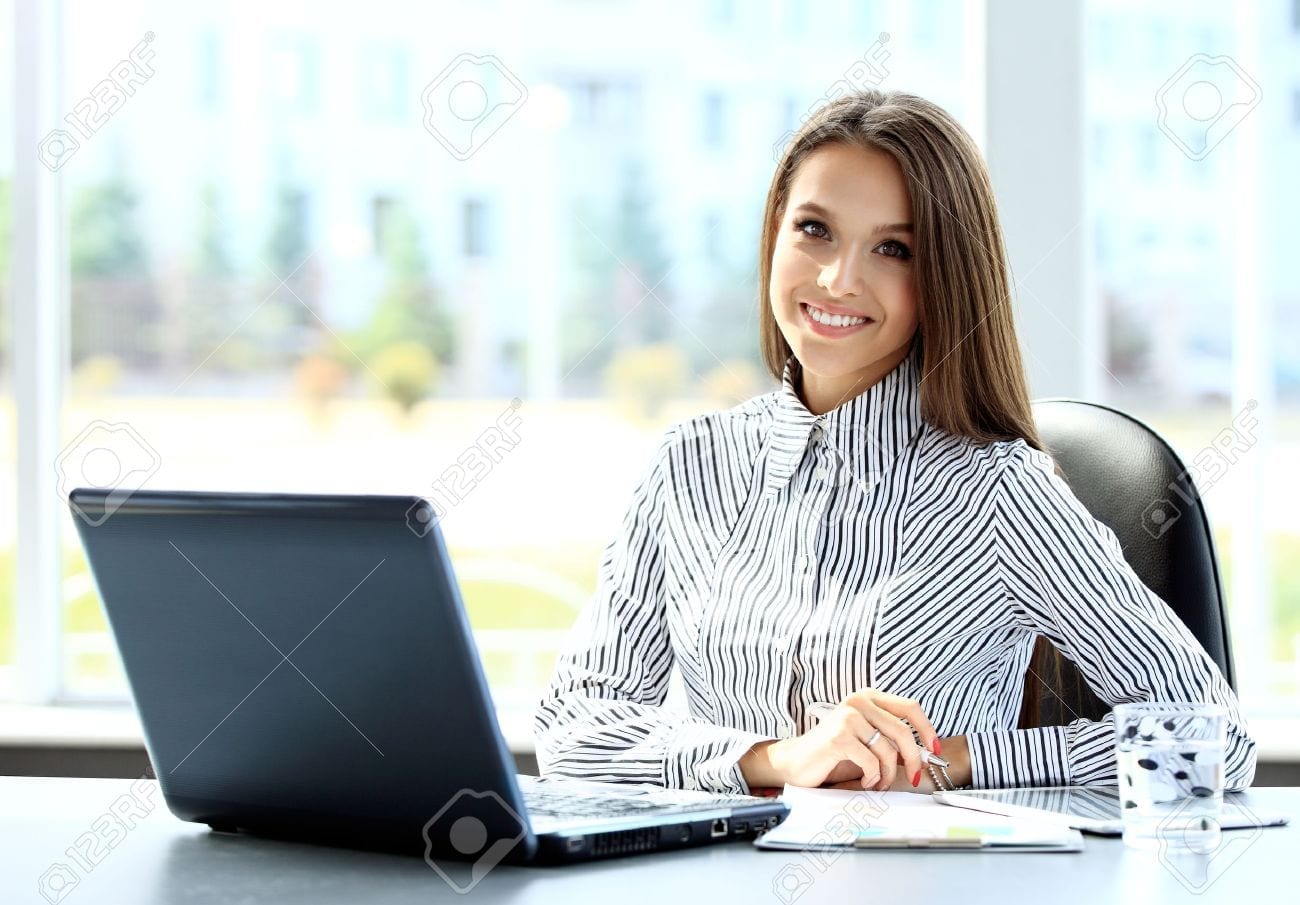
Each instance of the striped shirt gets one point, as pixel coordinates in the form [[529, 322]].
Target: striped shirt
[[778, 558]]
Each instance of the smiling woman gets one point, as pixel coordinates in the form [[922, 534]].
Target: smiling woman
[[852, 572], [842, 287], [917, 248]]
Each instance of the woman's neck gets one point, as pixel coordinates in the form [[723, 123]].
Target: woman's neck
[[821, 394]]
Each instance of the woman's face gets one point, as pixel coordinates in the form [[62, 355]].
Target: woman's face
[[843, 253]]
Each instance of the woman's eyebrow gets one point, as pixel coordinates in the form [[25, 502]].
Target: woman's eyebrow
[[815, 208]]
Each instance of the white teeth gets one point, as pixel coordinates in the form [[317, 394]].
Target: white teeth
[[833, 320]]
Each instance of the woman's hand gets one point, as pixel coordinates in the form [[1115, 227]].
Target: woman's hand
[[953, 749], [836, 750]]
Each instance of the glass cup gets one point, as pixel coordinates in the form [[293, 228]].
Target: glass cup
[[1170, 765]]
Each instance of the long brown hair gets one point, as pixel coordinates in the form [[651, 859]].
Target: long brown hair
[[973, 382]]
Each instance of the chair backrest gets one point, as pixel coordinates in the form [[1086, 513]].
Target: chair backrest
[[1130, 479]]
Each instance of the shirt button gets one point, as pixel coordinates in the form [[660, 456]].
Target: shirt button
[[806, 561], [784, 732], [820, 474], [781, 644]]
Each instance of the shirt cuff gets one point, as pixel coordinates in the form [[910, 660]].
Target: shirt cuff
[[1008, 758], [707, 758]]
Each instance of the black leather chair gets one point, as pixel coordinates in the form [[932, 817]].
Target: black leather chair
[[1132, 481]]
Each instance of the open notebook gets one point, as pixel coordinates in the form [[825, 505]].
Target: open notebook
[[837, 819]]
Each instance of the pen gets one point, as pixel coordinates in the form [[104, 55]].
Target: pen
[[927, 757]]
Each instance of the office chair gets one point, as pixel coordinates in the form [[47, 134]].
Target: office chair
[[1133, 482]]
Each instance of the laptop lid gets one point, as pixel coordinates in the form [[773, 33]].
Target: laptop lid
[[302, 664]]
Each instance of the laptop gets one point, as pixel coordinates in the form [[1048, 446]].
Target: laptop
[[303, 667]]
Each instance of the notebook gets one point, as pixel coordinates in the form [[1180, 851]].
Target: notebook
[[835, 819]]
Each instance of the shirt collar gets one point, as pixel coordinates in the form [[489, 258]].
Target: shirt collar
[[869, 431]]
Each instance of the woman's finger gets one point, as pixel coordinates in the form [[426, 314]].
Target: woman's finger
[[880, 745], [851, 745], [898, 733], [910, 709]]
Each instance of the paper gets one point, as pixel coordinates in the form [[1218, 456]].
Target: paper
[[838, 819]]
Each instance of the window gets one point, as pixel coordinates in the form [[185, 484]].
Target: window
[[209, 74], [715, 126], [712, 237], [475, 228], [385, 83], [591, 98], [1200, 307], [8, 417], [229, 319], [382, 210], [292, 74]]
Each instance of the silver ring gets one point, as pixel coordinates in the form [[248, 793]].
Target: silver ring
[[875, 738]]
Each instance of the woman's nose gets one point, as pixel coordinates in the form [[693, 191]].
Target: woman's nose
[[843, 276]]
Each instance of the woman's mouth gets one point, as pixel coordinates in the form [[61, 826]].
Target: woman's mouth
[[831, 325]]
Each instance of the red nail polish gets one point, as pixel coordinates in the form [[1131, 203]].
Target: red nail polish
[[916, 779], [936, 745]]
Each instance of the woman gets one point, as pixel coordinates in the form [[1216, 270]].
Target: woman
[[883, 537]]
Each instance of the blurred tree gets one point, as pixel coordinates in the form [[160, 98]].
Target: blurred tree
[[286, 326], [638, 244], [619, 257], [212, 256], [114, 303], [407, 372], [410, 307], [287, 243], [727, 324], [209, 312], [104, 239]]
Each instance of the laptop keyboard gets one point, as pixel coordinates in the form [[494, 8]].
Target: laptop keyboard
[[569, 804]]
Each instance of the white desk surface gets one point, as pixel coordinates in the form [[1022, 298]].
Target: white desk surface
[[165, 860]]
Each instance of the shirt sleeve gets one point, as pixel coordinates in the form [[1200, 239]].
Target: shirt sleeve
[[1066, 577], [602, 717]]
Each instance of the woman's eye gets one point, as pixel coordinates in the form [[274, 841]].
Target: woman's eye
[[802, 226], [891, 248], [895, 249]]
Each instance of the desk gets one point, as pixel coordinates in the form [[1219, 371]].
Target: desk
[[163, 859]]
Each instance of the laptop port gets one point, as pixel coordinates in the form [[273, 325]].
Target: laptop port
[[575, 843], [740, 827], [719, 827]]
